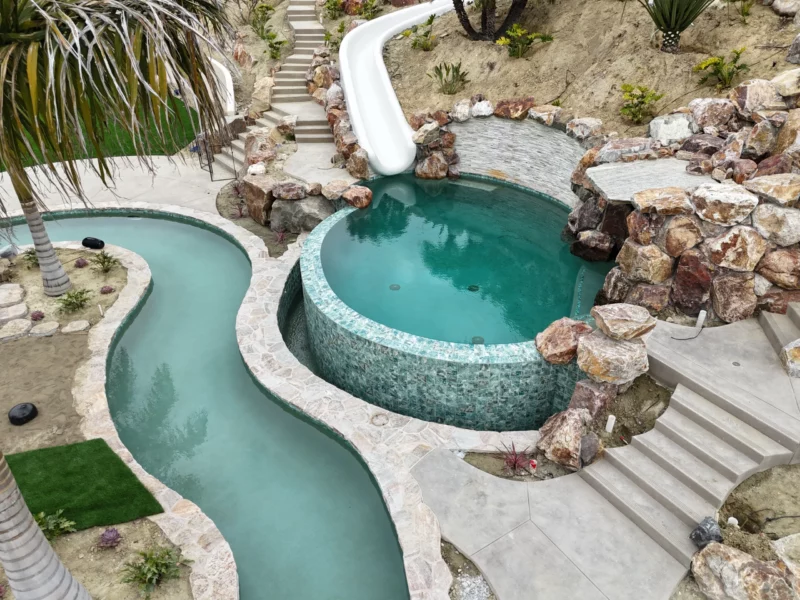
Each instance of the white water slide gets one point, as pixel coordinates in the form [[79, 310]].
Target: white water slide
[[375, 112]]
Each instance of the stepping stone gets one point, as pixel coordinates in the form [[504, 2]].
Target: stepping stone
[[618, 182], [10, 294], [14, 330], [9, 313], [45, 329], [76, 327]]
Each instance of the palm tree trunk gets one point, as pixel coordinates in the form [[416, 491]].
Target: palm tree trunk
[[514, 15], [464, 20], [33, 569], [54, 278]]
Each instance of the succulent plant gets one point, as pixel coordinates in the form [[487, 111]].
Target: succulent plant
[[106, 289], [36, 315], [110, 538], [81, 262]]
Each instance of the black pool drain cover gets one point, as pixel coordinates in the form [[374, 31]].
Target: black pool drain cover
[[22, 413], [394, 287], [473, 288]]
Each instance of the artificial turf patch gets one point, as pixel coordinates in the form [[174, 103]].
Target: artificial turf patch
[[87, 480]]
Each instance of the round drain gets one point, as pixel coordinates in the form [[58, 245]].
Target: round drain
[[473, 288], [394, 287], [477, 340]]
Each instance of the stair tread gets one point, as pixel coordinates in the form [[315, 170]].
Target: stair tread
[[780, 329], [793, 312], [672, 490], [658, 446], [739, 433], [706, 445]]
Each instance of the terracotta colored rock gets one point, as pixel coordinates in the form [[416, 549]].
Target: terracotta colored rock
[[441, 117], [448, 139], [621, 149], [358, 196], [743, 169], [777, 224], [723, 204], [289, 190], [654, 298], [587, 161], [733, 296], [333, 190], [723, 573], [617, 285], [679, 235], [782, 189], [358, 164], [560, 437], [514, 109], [702, 143], [644, 228], [663, 201], [432, 167], [594, 397], [738, 249], [623, 321], [781, 267], [326, 75], [426, 134], [789, 131], [558, 343], [592, 245], [586, 215], [754, 95], [347, 144], [712, 112], [774, 165], [257, 193], [777, 300], [615, 223], [644, 263], [691, 287], [241, 55], [584, 128], [761, 141], [611, 361]]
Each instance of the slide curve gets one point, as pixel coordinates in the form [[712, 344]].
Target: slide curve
[[375, 112]]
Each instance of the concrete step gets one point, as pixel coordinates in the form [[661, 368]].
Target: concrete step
[[706, 446], [671, 369], [237, 145], [297, 17], [300, 59], [288, 89], [277, 112], [793, 312], [319, 129], [268, 119], [671, 493], [751, 442], [702, 479], [779, 329], [306, 138], [291, 79], [657, 521], [225, 166], [292, 98]]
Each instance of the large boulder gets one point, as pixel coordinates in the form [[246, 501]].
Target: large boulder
[[586, 215], [654, 298], [259, 147], [615, 223], [514, 109], [552, 116], [461, 111], [786, 8], [258, 196], [625, 149], [773, 165], [782, 189], [644, 263], [584, 128], [663, 201], [733, 296], [558, 344], [592, 396], [755, 95], [289, 190], [743, 169], [483, 108], [358, 164], [261, 100], [691, 287], [295, 216], [739, 249], [670, 129], [334, 97], [333, 190], [712, 112], [778, 225], [325, 76], [725, 573], [723, 204], [623, 321], [434, 166], [761, 141], [781, 267], [592, 245], [788, 82], [560, 437], [680, 234], [426, 134], [616, 286], [793, 56], [358, 196], [703, 143], [789, 131], [644, 228], [611, 361]]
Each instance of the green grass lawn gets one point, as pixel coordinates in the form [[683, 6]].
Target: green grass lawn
[[87, 480]]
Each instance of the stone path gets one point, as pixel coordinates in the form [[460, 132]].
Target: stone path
[[618, 182]]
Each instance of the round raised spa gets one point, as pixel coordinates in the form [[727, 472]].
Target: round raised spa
[[427, 302]]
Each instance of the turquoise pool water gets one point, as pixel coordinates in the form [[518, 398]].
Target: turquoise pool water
[[301, 513], [458, 261]]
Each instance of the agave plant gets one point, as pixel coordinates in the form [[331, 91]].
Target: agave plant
[[76, 73], [673, 17]]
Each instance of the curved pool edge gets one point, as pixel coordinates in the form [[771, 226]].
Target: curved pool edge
[[389, 444]]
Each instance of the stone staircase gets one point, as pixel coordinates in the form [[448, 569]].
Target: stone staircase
[[714, 435], [289, 96]]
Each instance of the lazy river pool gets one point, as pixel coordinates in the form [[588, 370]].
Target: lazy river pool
[[300, 511]]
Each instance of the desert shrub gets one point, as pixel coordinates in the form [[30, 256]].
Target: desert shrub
[[259, 17], [638, 102], [104, 262], [723, 71], [369, 9], [154, 567], [73, 301], [275, 45], [334, 40], [673, 17], [449, 77], [54, 526], [518, 41], [422, 37], [30, 258], [110, 538], [333, 8]]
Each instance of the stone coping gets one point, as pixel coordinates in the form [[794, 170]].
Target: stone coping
[[388, 443]]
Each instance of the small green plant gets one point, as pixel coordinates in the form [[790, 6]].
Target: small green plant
[[334, 40], [556, 102], [275, 45], [422, 37], [334, 9], [369, 9], [103, 262], [743, 8], [260, 17], [449, 77], [73, 301], [518, 41], [722, 70], [30, 259], [638, 102], [154, 567], [54, 526]]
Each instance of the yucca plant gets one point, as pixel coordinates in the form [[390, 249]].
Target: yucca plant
[[76, 74], [449, 77], [673, 17]]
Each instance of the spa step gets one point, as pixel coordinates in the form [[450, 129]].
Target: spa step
[[670, 532], [793, 312], [779, 329]]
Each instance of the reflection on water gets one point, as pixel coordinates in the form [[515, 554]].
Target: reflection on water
[[154, 438], [455, 262]]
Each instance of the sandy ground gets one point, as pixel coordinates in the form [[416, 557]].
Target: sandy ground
[[468, 582], [40, 370], [100, 571], [596, 49], [86, 278]]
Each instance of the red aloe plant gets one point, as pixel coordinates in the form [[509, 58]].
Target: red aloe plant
[[514, 460]]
